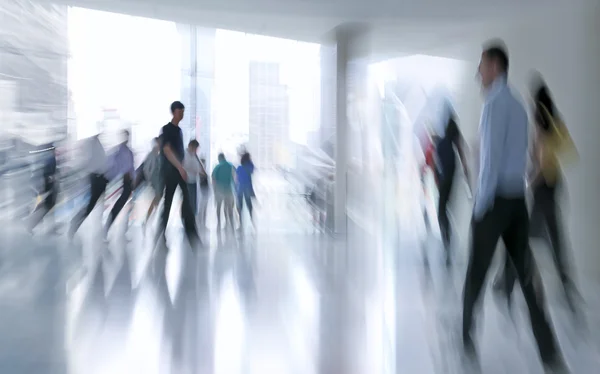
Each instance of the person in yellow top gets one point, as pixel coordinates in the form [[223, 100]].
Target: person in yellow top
[[552, 146]]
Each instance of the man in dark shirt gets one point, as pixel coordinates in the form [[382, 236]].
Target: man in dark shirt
[[174, 174], [444, 174]]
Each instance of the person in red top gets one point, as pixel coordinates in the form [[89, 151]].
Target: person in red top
[[428, 165], [429, 155]]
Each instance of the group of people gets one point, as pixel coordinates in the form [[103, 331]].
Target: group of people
[[166, 167], [500, 210]]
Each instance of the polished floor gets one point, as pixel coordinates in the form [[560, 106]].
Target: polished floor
[[279, 298]]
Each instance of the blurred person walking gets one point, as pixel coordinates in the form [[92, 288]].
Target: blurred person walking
[[204, 195], [153, 173], [120, 165], [175, 175], [427, 169], [223, 177], [245, 188], [193, 168], [95, 161], [500, 210], [552, 141], [50, 191], [447, 144]]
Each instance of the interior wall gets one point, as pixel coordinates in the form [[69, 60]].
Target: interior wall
[[562, 45]]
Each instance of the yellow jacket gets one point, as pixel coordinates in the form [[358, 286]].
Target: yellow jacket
[[554, 147]]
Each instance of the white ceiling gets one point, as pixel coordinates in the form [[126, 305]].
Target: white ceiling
[[397, 26]]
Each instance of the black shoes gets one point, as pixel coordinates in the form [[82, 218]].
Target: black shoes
[[556, 366], [470, 357]]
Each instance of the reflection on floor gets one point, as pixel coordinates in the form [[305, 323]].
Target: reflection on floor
[[267, 300]]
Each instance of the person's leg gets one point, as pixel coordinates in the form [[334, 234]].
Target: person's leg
[[139, 177], [551, 217], [240, 204], [516, 239], [485, 235], [193, 195], [229, 201], [97, 188], [49, 201], [248, 198], [116, 209], [444, 222], [218, 204], [189, 219], [36, 216], [505, 280], [153, 205], [170, 187], [203, 207], [51, 204]]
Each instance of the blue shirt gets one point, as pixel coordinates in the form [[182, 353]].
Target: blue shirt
[[244, 176], [503, 148], [120, 163]]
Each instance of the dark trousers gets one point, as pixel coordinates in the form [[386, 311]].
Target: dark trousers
[[139, 177], [244, 195], [508, 220], [172, 180], [193, 191], [97, 187], [544, 223], [445, 190], [125, 195]]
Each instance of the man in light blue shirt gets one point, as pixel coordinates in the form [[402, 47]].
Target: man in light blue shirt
[[504, 147], [500, 210]]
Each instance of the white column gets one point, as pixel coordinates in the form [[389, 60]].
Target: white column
[[351, 44], [341, 132]]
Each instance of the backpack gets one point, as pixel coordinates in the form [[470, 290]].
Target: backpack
[[203, 178], [152, 166]]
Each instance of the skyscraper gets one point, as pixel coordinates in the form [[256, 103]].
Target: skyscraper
[[268, 115]]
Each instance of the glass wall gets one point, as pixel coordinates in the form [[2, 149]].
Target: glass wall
[[124, 76], [240, 90]]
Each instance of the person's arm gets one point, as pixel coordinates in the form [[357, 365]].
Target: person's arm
[[170, 155], [214, 176], [202, 169], [492, 138], [567, 143], [534, 175], [187, 165]]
